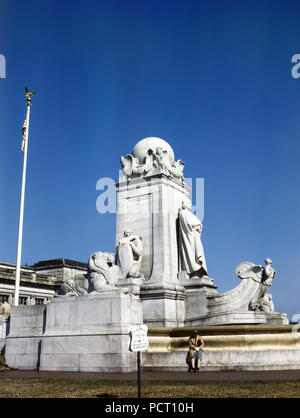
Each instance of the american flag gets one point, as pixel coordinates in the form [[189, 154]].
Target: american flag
[[24, 129]]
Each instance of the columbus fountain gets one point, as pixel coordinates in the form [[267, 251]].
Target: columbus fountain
[[157, 276]]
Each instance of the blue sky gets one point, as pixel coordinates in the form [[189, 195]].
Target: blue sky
[[213, 78]]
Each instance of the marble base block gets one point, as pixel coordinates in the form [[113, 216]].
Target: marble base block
[[229, 347], [85, 333], [132, 284], [163, 305], [24, 341]]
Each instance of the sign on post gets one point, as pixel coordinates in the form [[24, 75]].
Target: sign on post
[[139, 340], [138, 343]]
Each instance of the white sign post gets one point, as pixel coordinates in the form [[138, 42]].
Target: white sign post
[[138, 342]]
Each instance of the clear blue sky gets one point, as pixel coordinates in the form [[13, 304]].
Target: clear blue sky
[[213, 78]]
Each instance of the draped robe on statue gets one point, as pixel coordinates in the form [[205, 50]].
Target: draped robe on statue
[[191, 254]]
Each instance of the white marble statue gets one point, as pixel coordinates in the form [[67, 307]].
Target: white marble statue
[[191, 253], [162, 163], [129, 255], [263, 275], [75, 286], [103, 273], [102, 276]]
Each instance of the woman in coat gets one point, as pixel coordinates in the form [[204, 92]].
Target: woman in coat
[[196, 345]]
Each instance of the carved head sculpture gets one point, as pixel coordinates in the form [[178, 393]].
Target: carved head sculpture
[[186, 204], [110, 258], [268, 261], [97, 260], [128, 232]]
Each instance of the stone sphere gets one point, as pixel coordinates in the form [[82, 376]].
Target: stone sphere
[[142, 147]]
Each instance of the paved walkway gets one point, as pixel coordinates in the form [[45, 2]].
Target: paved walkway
[[222, 376]]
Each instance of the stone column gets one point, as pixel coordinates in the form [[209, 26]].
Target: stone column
[[4, 319], [149, 206]]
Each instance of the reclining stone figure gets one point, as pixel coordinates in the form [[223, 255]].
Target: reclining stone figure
[[102, 276], [75, 286]]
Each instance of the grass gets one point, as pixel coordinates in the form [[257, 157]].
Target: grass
[[50, 388]]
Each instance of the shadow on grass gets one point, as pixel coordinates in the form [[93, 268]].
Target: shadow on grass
[[106, 395]]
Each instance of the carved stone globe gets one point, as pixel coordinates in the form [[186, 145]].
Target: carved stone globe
[[142, 147]]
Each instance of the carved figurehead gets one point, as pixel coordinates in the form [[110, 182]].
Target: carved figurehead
[[261, 301]]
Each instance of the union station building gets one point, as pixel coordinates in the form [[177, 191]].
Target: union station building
[[39, 282]]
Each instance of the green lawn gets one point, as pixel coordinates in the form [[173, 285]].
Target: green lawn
[[50, 388]]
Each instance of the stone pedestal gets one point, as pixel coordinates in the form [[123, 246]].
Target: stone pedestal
[[132, 284], [197, 291], [149, 206], [84, 333], [24, 341], [163, 305]]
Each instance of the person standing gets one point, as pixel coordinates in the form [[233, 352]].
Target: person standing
[[5, 307], [196, 345]]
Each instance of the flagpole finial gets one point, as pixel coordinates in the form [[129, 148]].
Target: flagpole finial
[[28, 96]]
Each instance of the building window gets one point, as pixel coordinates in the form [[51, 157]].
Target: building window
[[23, 300], [39, 301]]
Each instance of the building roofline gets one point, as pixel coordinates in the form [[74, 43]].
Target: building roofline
[[58, 263], [12, 266]]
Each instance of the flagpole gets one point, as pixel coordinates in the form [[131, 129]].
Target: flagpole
[[20, 235]]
